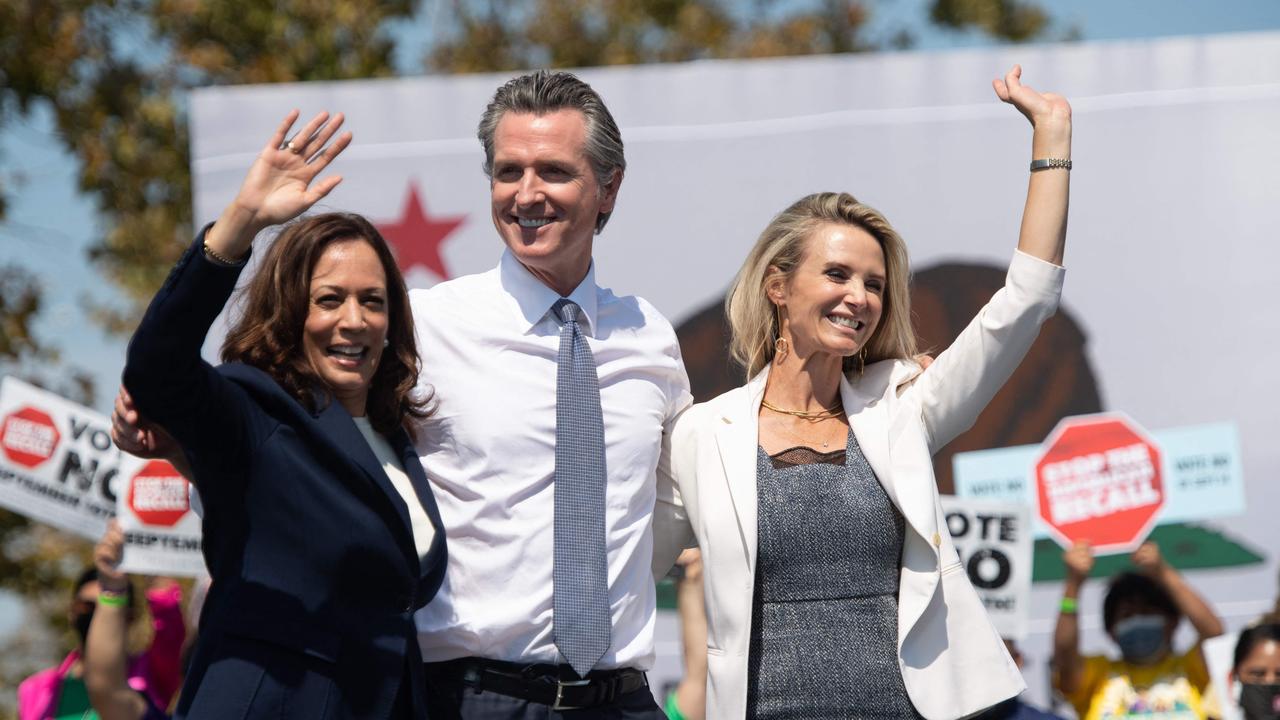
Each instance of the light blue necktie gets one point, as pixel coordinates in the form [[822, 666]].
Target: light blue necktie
[[581, 569]]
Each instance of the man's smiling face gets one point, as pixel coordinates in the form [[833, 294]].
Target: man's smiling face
[[546, 196]]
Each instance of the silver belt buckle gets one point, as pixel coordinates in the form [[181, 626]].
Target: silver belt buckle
[[560, 686]]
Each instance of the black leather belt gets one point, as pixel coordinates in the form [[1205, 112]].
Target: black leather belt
[[555, 685]]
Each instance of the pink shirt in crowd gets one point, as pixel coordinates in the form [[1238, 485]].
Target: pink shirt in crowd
[[157, 672]]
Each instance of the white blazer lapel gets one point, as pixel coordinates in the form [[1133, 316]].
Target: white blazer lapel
[[893, 442], [737, 435], [893, 445], [869, 420]]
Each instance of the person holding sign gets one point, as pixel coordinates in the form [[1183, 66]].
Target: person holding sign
[[105, 658], [1140, 613], [833, 588], [320, 532], [62, 691]]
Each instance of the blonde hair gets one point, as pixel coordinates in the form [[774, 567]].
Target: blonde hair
[[753, 319]]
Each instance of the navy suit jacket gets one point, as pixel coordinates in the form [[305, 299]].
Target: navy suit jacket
[[315, 573]]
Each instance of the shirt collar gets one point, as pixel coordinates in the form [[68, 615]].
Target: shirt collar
[[534, 299]]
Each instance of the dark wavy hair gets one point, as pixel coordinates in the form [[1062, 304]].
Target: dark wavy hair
[[268, 334]]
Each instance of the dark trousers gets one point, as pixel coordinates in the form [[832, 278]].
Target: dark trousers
[[251, 679], [449, 699]]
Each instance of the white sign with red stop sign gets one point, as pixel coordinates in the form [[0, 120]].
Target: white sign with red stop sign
[[1104, 479], [160, 523], [57, 463], [29, 437], [1099, 481]]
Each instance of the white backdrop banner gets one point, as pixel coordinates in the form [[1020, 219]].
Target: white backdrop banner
[[1172, 251]]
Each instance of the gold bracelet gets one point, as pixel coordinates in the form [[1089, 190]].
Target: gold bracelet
[[220, 258]]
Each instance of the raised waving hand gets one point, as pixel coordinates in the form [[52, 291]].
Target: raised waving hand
[[282, 182], [1044, 110], [1044, 217]]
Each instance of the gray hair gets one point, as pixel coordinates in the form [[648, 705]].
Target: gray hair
[[543, 92]]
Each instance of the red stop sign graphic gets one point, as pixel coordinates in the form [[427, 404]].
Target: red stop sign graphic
[[1099, 480], [29, 437], [158, 495]]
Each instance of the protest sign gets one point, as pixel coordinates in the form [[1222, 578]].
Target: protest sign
[[1196, 470], [58, 466], [57, 463], [1099, 481], [994, 543], [161, 528]]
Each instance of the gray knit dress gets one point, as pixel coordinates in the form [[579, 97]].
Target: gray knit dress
[[824, 625]]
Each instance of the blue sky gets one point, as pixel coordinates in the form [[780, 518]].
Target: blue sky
[[50, 225]]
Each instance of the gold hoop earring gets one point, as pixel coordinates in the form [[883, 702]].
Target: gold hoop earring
[[780, 349]]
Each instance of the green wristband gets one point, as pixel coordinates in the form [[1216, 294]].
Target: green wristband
[[673, 709], [113, 599], [1069, 605]]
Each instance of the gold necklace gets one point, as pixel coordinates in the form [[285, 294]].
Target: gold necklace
[[806, 442], [825, 414]]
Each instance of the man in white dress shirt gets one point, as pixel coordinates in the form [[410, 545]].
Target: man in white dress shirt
[[489, 353]]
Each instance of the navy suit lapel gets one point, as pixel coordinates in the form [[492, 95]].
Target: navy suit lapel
[[337, 424], [418, 477]]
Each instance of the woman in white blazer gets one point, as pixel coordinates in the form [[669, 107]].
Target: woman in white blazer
[[832, 586]]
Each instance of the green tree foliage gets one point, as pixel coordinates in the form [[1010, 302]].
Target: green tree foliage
[[1005, 19], [20, 299], [497, 35], [584, 33], [115, 74]]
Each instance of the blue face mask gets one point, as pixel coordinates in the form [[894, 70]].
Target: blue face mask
[[1140, 637]]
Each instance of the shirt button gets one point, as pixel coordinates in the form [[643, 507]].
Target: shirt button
[[937, 540]]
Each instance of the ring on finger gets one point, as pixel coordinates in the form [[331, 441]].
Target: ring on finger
[[288, 145]]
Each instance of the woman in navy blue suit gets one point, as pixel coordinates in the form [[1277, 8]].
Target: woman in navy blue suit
[[320, 530]]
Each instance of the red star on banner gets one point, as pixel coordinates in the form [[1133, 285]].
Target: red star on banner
[[417, 237]]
